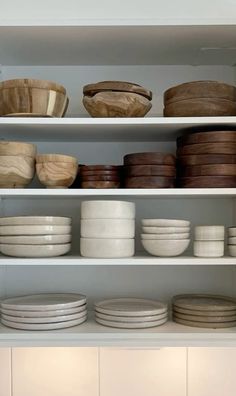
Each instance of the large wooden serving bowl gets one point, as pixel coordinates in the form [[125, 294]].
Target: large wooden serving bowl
[[32, 98], [56, 171]]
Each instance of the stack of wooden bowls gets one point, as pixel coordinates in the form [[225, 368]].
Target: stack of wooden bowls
[[203, 310], [199, 99], [232, 241], [100, 176], [207, 159], [149, 170], [56, 170]]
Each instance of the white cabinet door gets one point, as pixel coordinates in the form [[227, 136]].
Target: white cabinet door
[[55, 371], [143, 372], [5, 372], [212, 372]]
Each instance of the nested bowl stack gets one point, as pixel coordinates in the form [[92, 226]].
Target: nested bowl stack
[[200, 99], [32, 98], [165, 237], [203, 310], [100, 176], [107, 229], [207, 160], [116, 99], [56, 170], [35, 236], [232, 241], [209, 241], [17, 164], [149, 170]]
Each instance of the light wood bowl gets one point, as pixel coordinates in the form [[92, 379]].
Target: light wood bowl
[[56, 171], [16, 171], [32, 98], [18, 149]]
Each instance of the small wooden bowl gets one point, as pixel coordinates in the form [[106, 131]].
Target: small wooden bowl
[[207, 148], [116, 86], [208, 170], [16, 171], [150, 170], [149, 158], [205, 159], [18, 149], [100, 184], [55, 170], [150, 182], [32, 98], [201, 107], [207, 182], [207, 137]]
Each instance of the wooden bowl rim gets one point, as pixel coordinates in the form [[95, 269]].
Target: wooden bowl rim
[[32, 83]]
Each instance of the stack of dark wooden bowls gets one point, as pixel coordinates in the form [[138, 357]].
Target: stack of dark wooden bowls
[[149, 170], [100, 176], [207, 159], [199, 99]]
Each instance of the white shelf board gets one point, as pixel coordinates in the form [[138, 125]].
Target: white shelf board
[[106, 129], [120, 43], [93, 334]]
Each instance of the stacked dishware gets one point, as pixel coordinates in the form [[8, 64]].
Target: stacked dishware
[[203, 310], [100, 176], [209, 241], [56, 170], [165, 237], [149, 170], [44, 311], [107, 229], [131, 313], [232, 241], [207, 159], [35, 236]]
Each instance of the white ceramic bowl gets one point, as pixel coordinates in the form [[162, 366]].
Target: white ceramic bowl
[[165, 223], [106, 248], [35, 250], [35, 220], [35, 230], [208, 248], [107, 228], [232, 250], [165, 236], [232, 241], [209, 233], [166, 230], [232, 231], [35, 239], [107, 210], [165, 248]]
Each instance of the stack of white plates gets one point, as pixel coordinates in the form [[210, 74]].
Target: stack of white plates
[[165, 237], [35, 236], [131, 313], [44, 311], [232, 241]]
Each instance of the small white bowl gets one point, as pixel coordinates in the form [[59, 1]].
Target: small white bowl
[[107, 228], [232, 231], [166, 230], [35, 250], [35, 239], [165, 223], [165, 248], [106, 248], [208, 248], [166, 236], [232, 250], [209, 233], [35, 220], [35, 230], [232, 241], [107, 210]]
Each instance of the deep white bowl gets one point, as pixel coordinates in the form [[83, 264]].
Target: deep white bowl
[[165, 248], [165, 223], [107, 210], [35, 239], [35, 220], [165, 230], [35, 230], [106, 248], [209, 233], [165, 236], [107, 228], [208, 248], [35, 250]]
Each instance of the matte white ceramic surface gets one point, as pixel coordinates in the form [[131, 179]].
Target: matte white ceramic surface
[[35, 230], [232, 232], [165, 223], [106, 248], [232, 250], [44, 302], [53, 319], [165, 248], [137, 325], [232, 240], [35, 250], [130, 307], [39, 314], [165, 236], [107, 228], [35, 239], [43, 326], [209, 233], [165, 230], [208, 248], [107, 210], [35, 220], [132, 319]]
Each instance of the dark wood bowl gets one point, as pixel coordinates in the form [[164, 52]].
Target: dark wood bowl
[[149, 182], [150, 170], [149, 158]]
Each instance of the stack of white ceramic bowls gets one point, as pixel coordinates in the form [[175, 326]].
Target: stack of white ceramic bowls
[[107, 229], [131, 313], [44, 311], [209, 241], [232, 241], [165, 237], [35, 236]]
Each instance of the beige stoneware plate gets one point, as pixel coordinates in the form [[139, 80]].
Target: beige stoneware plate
[[205, 325], [132, 319], [54, 319], [202, 313], [137, 325], [35, 239], [204, 302], [35, 220], [39, 314], [35, 230], [42, 326], [130, 307]]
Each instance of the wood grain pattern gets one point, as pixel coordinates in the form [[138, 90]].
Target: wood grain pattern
[[207, 148], [100, 173], [149, 182], [200, 108], [120, 86], [208, 170], [56, 158], [16, 171], [150, 170], [149, 158], [207, 137], [85, 168], [100, 178], [56, 174], [100, 184], [18, 148], [207, 182], [205, 159]]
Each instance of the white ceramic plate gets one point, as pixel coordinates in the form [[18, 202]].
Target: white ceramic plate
[[107, 210], [54, 319], [35, 220], [35, 239], [130, 307], [43, 326], [35, 250], [137, 325], [35, 230], [166, 230], [165, 236], [165, 223], [39, 314], [44, 302], [132, 319]]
